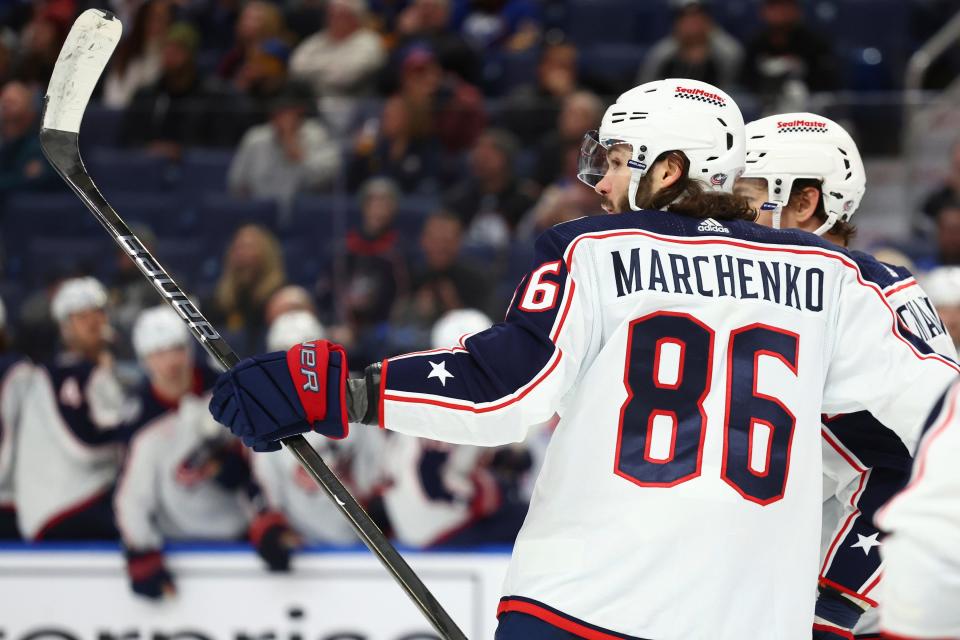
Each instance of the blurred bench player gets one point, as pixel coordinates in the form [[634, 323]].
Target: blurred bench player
[[16, 376], [292, 500], [689, 353], [68, 451], [804, 171], [921, 586], [181, 480], [442, 494]]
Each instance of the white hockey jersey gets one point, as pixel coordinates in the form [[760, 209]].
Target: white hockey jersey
[[160, 496], [689, 361], [865, 463], [288, 488], [921, 587], [16, 376], [68, 452], [435, 489]]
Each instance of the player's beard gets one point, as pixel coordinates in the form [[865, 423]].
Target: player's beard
[[644, 198]]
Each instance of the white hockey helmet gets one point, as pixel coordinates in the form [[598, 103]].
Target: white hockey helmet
[[670, 115], [294, 327], [157, 329], [77, 294], [453, 325], [785, 147], [943, 286]]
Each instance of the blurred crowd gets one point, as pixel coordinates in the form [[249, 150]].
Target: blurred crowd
[[372, 171]]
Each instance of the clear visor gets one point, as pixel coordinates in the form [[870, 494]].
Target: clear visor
[[595, 158]]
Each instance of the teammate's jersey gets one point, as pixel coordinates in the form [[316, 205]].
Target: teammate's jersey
[[865, 463], [69, 446], [689, 361], [161, 494], [921, 586], [288, 488], [16, 375], [435, 489]]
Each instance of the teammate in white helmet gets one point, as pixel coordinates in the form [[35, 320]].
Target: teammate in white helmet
[[69, 446], [291, 496], [803, 171], [943, 287], [182, 479], [688, 352], [438, 493], [16, 376], [921, 584]]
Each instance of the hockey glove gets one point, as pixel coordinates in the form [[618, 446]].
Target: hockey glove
[[277, 395], [148, 575], [274, 540]]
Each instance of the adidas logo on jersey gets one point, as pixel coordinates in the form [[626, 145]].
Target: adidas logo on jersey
[[712, 226]]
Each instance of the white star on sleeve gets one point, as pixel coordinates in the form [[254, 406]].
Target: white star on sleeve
[[439, 370], [866, 543]]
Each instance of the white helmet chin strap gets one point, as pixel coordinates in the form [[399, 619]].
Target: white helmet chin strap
[[826, 226], [637, 171], [776, 209]]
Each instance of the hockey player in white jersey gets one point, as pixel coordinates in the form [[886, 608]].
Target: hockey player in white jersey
[[292, 498], [16, 375], [689, 353], [68, 451], [921, 585], [181, 479], [438, 493], [803, 171]]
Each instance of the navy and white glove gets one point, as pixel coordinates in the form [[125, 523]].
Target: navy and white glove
[[277, 395], [836, 616], [148, 575]]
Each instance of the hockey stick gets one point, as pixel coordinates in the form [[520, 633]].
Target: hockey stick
[[82, 60]]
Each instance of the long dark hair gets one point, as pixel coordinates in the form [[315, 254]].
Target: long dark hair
[[689, 197]]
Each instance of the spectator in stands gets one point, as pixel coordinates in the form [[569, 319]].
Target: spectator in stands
[[258, 22], [263, 76], [531, 111], [39, 47], [445, 281], [376, 273], [183, 478], [558, 151], [509, 25], [343, 59], [389, 148], [948, 235], [252, 272], [289, 298], [181, 108], [949, 191], [491, 200], [137, 61], [697, 48], [428, 22], [787, 57], [8, 47], [440, 104], [943, 287], [16, 377], [69, 444], [22, 165], [286, 156], [558, 203]]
